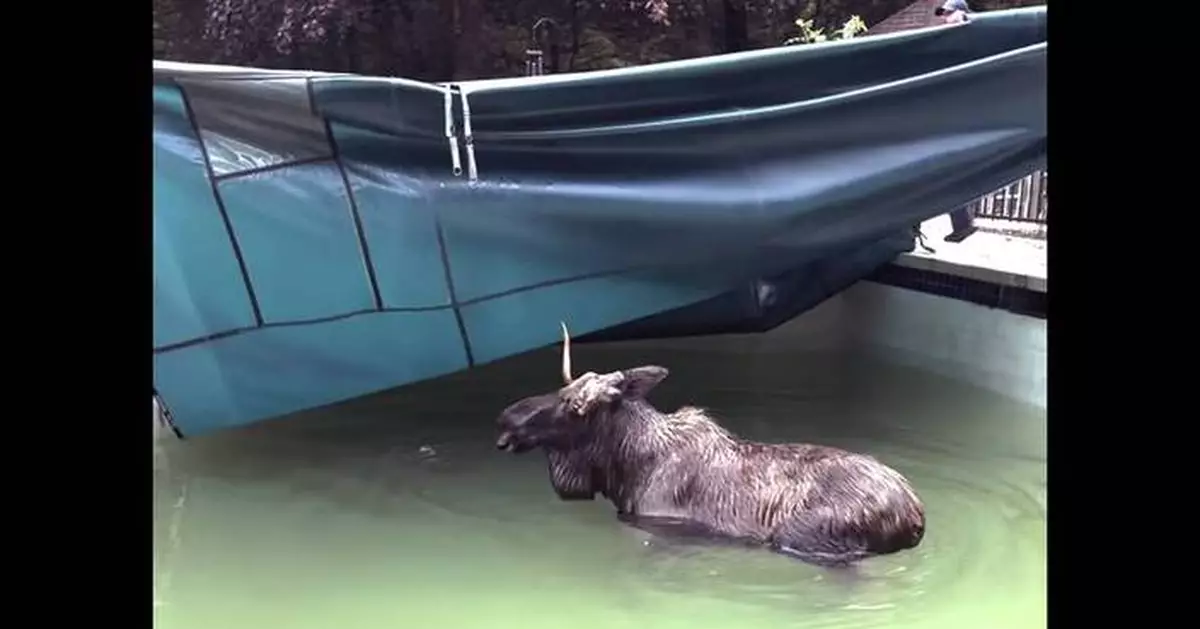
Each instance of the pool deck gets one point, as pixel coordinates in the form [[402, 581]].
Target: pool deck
[[995, 258]]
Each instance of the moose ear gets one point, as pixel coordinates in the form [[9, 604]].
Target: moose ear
[[640, 380]]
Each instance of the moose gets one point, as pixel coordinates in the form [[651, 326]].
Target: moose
[[683, 472]]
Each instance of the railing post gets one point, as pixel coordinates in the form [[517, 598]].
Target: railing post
[[533, 62], [1042, 198]]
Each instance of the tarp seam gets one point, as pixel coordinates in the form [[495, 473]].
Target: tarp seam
[[363, 248], [212, 182], [258, 170]]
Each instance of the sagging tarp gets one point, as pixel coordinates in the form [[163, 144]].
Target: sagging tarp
[[319, 237]]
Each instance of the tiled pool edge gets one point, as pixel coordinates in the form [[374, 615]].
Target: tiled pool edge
[[1016, 293], [990, 347], [993, 348]]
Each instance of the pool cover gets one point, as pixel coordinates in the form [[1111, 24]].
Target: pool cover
[[320, 236]]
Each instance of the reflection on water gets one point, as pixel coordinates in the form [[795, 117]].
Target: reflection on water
[[397, 511]]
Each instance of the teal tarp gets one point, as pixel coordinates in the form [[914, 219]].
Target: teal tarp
[[318, 237]]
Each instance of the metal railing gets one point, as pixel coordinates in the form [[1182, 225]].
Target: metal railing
[[1025, 200]]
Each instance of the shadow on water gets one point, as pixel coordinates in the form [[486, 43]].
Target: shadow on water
[[396, 508]]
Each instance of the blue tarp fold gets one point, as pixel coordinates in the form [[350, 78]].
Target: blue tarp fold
[[323, 236]]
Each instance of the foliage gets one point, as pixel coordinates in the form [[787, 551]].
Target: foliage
[[438, 40], [811, 35]]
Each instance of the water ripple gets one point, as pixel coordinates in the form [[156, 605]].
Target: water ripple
[[406, 492]]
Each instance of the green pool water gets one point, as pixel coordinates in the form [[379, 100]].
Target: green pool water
[[396, 511]]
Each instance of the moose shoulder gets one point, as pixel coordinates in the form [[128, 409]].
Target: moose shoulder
[[818, 504]]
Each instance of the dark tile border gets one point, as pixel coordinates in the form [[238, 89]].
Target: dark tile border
[[1010, 298]]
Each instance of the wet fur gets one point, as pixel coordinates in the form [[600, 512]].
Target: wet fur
[[683, 474]]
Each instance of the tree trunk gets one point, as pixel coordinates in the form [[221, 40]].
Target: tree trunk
[[575, 27], [469, 45], [449, 47], [737, 36]]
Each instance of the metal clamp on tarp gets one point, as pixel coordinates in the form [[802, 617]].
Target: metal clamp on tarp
[[468, 138], [451, 135]]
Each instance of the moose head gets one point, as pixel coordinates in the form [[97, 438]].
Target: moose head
[[565, 419]]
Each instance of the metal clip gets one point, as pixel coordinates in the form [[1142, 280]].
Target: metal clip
[[468, 138], [455, 161]]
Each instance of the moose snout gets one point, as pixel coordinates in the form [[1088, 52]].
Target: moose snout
[[505, 441]]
